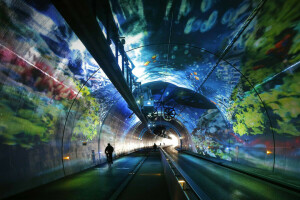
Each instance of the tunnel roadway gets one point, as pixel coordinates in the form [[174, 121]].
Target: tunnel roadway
[[219, 182]]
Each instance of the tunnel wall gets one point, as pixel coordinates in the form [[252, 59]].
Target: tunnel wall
[[256, 89], [119, 129], [271, 65], [245, 134], [262, 109], [54, 113]]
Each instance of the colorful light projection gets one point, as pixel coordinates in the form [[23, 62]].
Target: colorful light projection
[[256, 88], [43, 68]]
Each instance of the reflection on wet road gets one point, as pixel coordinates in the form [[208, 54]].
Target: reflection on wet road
[[222, 183]]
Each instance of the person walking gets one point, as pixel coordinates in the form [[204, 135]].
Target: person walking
[[108, 151]]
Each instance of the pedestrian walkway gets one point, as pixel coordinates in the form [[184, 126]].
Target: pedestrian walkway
[[97, 183], [149, 182]]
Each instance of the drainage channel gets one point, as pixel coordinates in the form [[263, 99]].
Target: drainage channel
[[180, 185]]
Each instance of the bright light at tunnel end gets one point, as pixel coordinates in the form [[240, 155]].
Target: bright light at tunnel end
[[174, 140]]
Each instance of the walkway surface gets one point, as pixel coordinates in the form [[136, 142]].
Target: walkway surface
[[96, 183], [222, 183], [149, 182]]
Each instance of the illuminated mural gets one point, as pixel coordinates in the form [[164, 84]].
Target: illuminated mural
[[43, 67], [54, 98], [247, 110], [255, 87]]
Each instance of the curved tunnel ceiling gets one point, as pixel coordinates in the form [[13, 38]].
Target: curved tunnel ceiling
[[180, 42], [173, 95], [176, 42], [179, 26]]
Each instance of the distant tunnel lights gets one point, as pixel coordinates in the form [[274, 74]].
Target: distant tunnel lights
[[174, 140]]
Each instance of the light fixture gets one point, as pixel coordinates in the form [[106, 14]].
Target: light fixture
[[66, 158], [182, 183]]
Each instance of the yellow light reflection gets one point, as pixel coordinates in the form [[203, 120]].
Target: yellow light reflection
[[269, 152], [156, 174], [67, 158], [182, 183]]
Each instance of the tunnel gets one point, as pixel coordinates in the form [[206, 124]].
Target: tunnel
[[200, 99]]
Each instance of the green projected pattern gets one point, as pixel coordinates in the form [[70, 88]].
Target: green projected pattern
[[255, 86], [58, 109]]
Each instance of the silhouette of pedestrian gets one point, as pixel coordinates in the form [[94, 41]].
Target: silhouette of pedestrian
[[154, 147], [108, 151]]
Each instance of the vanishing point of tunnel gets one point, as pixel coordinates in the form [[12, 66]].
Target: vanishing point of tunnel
[[149, 99]]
